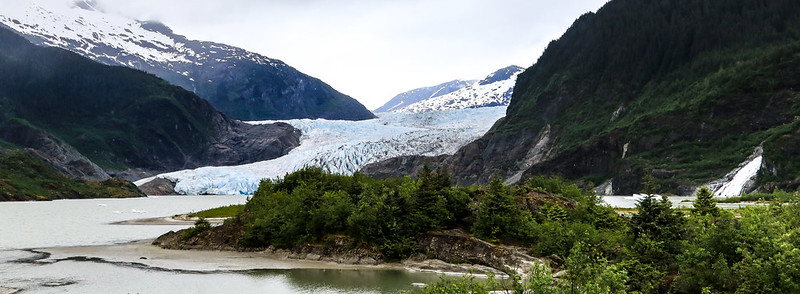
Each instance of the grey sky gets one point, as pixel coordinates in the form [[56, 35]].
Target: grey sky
[[372, 50]]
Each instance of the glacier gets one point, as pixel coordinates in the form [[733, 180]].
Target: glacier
[[343, 147]]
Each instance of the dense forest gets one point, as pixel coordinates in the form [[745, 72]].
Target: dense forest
[[657, 249], [692, 86], [685, 89]]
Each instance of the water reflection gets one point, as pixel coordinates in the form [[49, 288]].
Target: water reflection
[[91, 222], [354, 281]]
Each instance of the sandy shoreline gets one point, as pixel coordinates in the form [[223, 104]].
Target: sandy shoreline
[[182, 219], [144, 254]]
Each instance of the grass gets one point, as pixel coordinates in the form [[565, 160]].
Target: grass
[[777, 196], [219, 212], [24, 177]]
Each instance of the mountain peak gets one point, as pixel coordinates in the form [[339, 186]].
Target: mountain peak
[[244, 85], [501, 74], [494, 90], [413, 96]]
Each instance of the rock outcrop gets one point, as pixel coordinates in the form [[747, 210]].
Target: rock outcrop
[[456, 246], [56, 152], [159, 186], [452, 250]]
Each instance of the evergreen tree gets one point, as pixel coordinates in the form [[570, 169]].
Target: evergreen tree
[[705, 203], [431, 202], [498, 215]]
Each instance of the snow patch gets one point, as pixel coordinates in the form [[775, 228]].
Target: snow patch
[[478, 94]]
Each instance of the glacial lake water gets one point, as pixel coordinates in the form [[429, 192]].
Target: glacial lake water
[[677, 201], [26, 226], [64, 224]]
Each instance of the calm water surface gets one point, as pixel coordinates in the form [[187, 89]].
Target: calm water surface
[[25, 226], [677, 201]]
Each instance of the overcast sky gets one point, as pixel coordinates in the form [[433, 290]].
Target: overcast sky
[[373, 49]]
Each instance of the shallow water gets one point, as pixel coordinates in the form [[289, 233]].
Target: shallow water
[[68, 223], [677, 201]]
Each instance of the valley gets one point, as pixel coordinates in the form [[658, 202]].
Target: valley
[[544, 179]]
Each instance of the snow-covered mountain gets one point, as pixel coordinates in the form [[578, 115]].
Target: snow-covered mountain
[[243, 85], [494, 90], [410, 97], [345, 146]]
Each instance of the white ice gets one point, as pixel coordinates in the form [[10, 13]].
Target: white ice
[[345, 147]]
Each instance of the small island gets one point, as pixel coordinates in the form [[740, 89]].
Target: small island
[[545, 234]]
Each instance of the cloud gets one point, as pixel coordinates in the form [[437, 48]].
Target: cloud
[[368, 49]]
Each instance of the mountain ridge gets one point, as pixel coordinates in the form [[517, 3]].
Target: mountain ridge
[[413, 96], [242, 84], [494, 90], [120, 118], [682, 90]]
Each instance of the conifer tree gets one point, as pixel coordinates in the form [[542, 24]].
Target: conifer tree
[[705, 203]]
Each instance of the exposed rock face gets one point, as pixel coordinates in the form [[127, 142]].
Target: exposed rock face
[[227, 236], [456, 246], [452, 247], [159, 186], [496, 154], [59, 154], [241, 143], [339, 249], [400, 166]]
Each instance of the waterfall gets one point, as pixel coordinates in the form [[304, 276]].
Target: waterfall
[[740, 179]]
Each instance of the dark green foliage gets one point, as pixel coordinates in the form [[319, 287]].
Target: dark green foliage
[[587, 273], [656, 221], [200, 226], [117, 117], [656, 233], [26, 177], [660, 250], [689, 87], [650, 185], [705, 203], [555, 185], [499, 216], [431, 198], [310, 204], [756, 253]]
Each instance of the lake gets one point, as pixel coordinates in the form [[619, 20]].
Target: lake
[[88, 253], [81, 230]]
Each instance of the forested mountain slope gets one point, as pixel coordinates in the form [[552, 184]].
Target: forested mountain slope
[[682, 89], [118, 117], [244, 85]]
